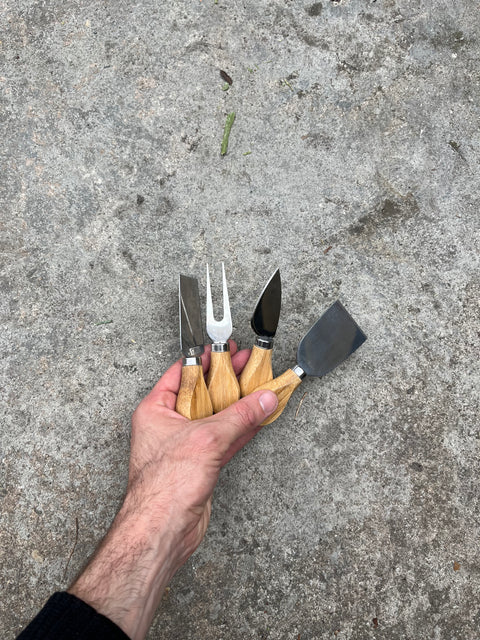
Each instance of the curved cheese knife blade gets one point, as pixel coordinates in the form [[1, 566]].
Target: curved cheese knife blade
[[331, 340], [265, 317], [258, 369]]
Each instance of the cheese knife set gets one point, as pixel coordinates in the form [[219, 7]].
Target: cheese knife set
[[330, 341]]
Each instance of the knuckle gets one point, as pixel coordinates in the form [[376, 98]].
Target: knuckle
[[204, 439], [244, 415], [141, 414], [138, 417]]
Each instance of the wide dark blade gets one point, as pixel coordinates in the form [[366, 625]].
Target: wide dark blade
[[267, 312], [330, 341], [191, 327]]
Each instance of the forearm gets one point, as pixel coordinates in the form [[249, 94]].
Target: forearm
[[127, 576]]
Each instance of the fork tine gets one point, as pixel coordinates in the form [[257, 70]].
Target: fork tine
[[218, 330], [226, 302], [210, 317], [222, 383]]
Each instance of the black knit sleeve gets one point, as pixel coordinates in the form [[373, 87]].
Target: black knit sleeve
[[66, 617]]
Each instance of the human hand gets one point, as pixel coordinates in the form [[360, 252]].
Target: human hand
[[175, 462], [174, 467]]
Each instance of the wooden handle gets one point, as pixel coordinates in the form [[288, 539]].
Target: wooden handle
[[193, 401], [222, 382], [257, 371], [283, 386]]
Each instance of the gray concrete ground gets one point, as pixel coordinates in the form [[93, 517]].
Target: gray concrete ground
[[353, 166]]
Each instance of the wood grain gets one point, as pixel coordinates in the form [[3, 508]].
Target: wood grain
[[193, 400], [257, 371], [283, 387], [222, 382]]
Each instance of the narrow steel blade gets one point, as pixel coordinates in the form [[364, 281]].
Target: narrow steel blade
[[267, 311], [191, 332], [330, 341]]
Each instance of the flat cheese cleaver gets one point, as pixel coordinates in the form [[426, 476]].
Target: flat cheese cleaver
[[330, 341]]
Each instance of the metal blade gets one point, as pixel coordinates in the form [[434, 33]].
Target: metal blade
[[191, 332], [219, 330], [330, 341], [267, 311]]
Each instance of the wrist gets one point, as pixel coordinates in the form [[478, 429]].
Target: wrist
[[126, 578]]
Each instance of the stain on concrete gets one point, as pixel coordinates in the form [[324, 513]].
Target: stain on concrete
[[315, 9], [389, 213]]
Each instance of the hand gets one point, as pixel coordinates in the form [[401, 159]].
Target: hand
[[174, 467], [167, 447]]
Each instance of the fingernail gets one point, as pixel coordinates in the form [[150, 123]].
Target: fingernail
[[268, 401]]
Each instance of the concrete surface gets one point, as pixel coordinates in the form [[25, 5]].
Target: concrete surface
[[353, 166]]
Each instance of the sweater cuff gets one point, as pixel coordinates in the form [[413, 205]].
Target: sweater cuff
[[66, 617]]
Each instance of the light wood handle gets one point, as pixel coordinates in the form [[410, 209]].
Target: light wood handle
[[193, 401], [283, 386], [222, 382], [257, 371]]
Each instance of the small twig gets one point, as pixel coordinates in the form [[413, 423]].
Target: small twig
[[225, 77], [456, 147], [299, 405], [74, 547], [226, 132], [97, 324], [286, 82]]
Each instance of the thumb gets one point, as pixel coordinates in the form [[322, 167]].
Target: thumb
[[242, 419]]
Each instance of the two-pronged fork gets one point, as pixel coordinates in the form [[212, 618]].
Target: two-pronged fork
[[222, 382]]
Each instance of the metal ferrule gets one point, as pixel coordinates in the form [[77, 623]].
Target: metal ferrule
[[194, 352], [263, 342], [189, 360], [299, 371], [220, 347]]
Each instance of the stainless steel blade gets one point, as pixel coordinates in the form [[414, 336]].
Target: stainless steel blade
[[330, 341], [191, 332], [267, 311]]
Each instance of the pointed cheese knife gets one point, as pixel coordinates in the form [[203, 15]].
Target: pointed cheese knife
[[330, 341], [258, 369], [193, 400]]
